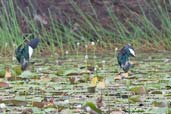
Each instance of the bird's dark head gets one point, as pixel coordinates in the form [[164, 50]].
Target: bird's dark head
[[34, 42], [128, 50]]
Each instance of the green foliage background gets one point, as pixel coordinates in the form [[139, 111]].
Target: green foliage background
[[150, 26]]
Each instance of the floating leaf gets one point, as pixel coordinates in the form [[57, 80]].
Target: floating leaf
[[4, 84], [60, 72], [27, 74], [45, 79], [2, 73], [168, 87], [38, 104], [53, 110], [71, 72], [121, 76], [156, 92], [72, 80], [93, 107], [84, 72], [75, 71], [118, 77], [117, 112], [159, 103], [158, 110], [136, 98], [101, 84], [27, 111], [37, 110], [138, 90], [94, 81], [66, 111], [91, 89], [17, 69], [15, 102], [89, 68]]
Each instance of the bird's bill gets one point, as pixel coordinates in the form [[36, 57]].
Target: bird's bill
[[132, 52]]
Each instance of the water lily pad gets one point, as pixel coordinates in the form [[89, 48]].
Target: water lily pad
[[17, 69], [60, 72], [75, 71], [72, 79], [28, 74], [2, 73], [136, 98], [71, 72], [27, 111], [138, 90], [94, 81], [156, 92], [91, 89], [4, 84], [66, 111], [116, 112], [38, 104], [53, 110], [160, 103], [15, 102], [158, 110], [73, 86], [101, 84]]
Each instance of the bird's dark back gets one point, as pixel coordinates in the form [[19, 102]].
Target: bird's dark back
[[22, 51]]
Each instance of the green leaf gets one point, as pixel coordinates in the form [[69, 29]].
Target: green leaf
[[136, 98], [17, 70], [28, 74], [138, 90], [93, 107], [2, 73], [71, 72]]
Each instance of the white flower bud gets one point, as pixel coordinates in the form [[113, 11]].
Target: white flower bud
[[88, 109], [66, 101], [66, 52], [95, 69], [79, 106], [6, 44], [103, 61], [116, 49], [14, 45], [92, 43], [78, 43], [2, 106], [86, 56]]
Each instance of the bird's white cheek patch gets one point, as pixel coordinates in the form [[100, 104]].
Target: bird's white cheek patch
[[30, 51], [132, 51]]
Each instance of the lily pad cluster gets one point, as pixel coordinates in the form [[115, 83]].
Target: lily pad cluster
[[73, 87]]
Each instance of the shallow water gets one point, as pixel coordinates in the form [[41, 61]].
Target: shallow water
[[61, 85]]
